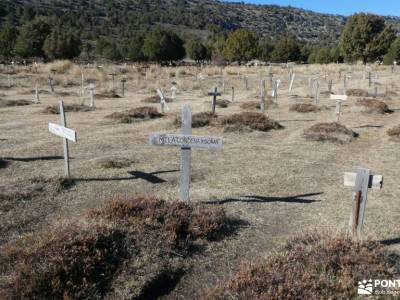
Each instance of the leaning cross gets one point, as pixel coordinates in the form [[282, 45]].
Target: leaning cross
[[361, 181], [214, 101], [66, 134], [186, 141]]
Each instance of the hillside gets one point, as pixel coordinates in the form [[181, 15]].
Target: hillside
[[199, 17]]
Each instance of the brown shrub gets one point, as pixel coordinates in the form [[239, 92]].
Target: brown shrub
[[72, 264], [249, 120], [332, 132], [251, 105], [129, 116], [357, 93], [201, 119], [176, 222], [303, 107], [311, 267], [55, 109], [222, 103], [373, 106], [108, 94], [394, 132], [10, 103], [155, 99]]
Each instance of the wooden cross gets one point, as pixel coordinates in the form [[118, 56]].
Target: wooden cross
[[82, 84], [163, 102], [233, 93], [330, 85], [317, 91], [123, 86], [173, 91], [113, 79], [246, 83], [186, 141], [338, 110], [275, 90], [214, 100], [369, 79], [51, 84], [66, 134], [262, 96], [362, 180]]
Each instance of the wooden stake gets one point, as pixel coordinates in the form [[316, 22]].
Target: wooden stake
[[65, 141], [262, 96], [186, 155]]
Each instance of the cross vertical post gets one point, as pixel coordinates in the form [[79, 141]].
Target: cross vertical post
[[37, 100], [91, 87], [262, 96], [317, 88], [186, 155], [233, 94], [123, 86], [51, 84], [291, 82], [65, 141], [214, 101]]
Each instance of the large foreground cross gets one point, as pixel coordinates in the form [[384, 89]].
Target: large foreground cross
[[66, 134], [186, 141]]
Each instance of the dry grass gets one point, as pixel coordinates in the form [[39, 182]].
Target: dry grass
[[10, 195], [55, 109], [156, 99], [201, 119], [394, 132], [304, 107], [249, 120], [139, 113], [82, 261], [59, 66], [10, 103], [312, 267], [373, 106], [107, 94], [331, 132], [357, 93], [251, 105], [113, 162]]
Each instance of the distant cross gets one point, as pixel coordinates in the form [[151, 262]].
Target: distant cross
[[338, 109], [113, 80], [163, 102], [66, 134], [275, 90], [291, 81], [91, 88], [233, 93], [317, 91], [214, 100], [186, 141], [262, 96], [173, 91], [51, 84], [361, 181], [37, 100]]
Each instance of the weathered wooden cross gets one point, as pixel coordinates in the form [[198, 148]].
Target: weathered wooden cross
[[51, 84], [91, 88], [173, 91], [214, 100], [275, 90], [233, 93], [123, 81], [262, 96], [291, 82], [113, 80], [36, 100], [362, 180], [317, 91], [163, 102], [186, 141], [338, 110], [66, 134]]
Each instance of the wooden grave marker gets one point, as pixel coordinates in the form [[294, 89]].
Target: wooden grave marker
[[274, 93], [66, 134], [123, 81], [113, 80], [173, 91], [91, 88], [361, 181], [163, 102], [317, 91], [338, 109], [51, 84], [233, 93], [293, 75], [186, 141], [262, 95], [214, 99], [37, 97]]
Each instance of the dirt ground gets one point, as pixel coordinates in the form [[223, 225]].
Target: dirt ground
[[278, 183]]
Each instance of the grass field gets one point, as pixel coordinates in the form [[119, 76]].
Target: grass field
[[279, 184]]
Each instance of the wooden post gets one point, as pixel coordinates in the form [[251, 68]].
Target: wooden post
[[317, 87], [233, 94], [123, 87], [330, 86], [163, 102], [173, 91], [345, 84], [338, 110], [9, 80], [275, 91], [369, 79], [361, 181], [186, 155], [37, 100], [246, 83], [113, 80], [91, 87], [271, 82], [65, 141], [51, 84], [291, 83], [82, 84], [262, 96]]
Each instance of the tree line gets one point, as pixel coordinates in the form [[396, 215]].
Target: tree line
[[365, 38]]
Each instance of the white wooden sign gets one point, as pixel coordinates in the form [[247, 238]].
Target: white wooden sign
[[338, 109], [63, 132], [186, 141], [163, 103]]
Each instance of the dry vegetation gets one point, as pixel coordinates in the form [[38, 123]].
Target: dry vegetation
[[249, 121], [10, 103], [55, 109], [201, 119], [80, 262], [373, 106], [312, 267], [156, 99], [357, 93], [330, 132], [139, 113], [394, 132], [304, 107]]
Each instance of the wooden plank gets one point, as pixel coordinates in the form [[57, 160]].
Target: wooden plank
[[65, 141], [291, 83], [360, 195], [186, 155], [186, 141], [63, 132], [375, 181], [339, 97]]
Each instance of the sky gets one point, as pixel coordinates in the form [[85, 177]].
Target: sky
[[340, 7]]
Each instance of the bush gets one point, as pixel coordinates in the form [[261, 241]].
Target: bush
[[249, 120], [303, 107], [201, 119], [373, 106], [332, 132], [141, 113]]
